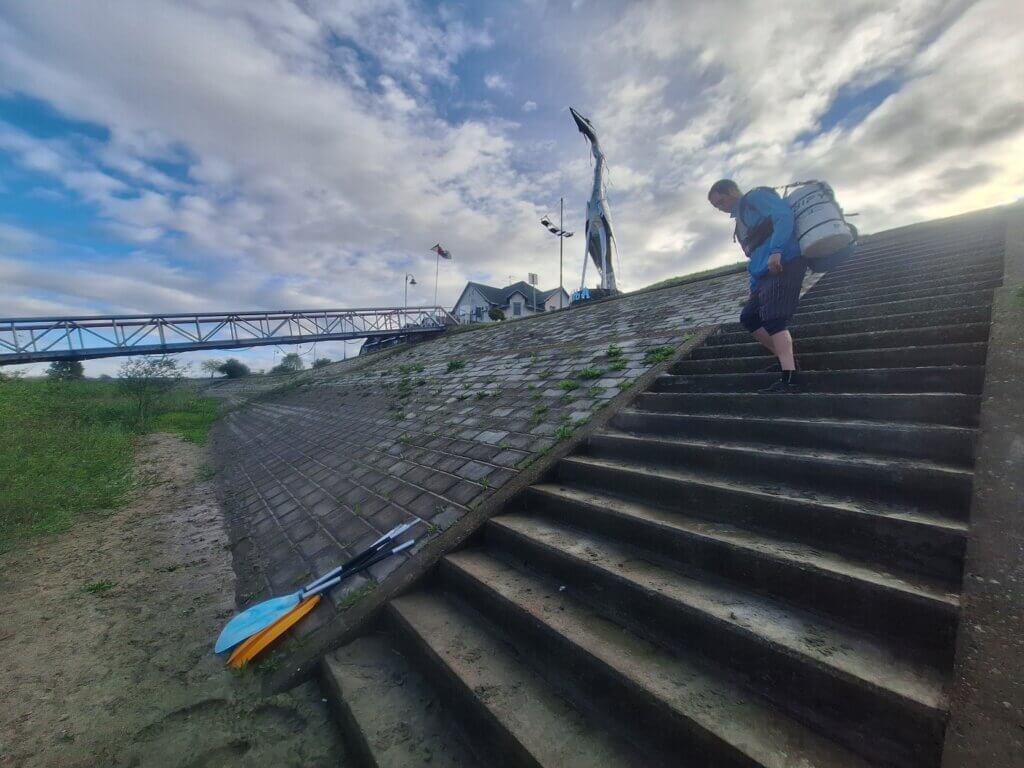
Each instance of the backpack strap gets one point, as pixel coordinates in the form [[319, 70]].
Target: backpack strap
[[757, 234]]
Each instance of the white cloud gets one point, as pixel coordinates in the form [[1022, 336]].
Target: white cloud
[[320, 159], [496, 82]]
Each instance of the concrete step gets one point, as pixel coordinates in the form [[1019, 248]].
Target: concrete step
[[917, 407], [845, 360], [513, 714], [923, 268], [865, 285], [390, 716], [936, 487], [734, 333], [911, 337], [950, 445], [908, 306], [926, 262], [680, 705], [967, 379], [852, 299], [915, 609], [806, 664], [880, 284]]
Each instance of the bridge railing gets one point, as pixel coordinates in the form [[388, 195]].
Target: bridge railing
[[45, 339]]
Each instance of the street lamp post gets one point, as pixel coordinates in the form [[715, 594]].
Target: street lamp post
[[561, 234], [409, 280]]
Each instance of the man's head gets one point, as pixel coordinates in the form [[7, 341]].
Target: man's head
[[723, 195]]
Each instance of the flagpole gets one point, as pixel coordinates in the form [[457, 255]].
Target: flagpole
[[437, 265]]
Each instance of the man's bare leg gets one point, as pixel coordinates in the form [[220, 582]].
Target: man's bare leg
[[766, 341], [782, 346]]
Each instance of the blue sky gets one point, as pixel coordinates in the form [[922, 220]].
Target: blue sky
[[206, 154]]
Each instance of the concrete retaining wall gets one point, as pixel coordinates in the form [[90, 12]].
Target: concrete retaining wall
[[987, 714]]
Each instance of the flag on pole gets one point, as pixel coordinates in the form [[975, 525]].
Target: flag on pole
[[550, 226], [440, 251]]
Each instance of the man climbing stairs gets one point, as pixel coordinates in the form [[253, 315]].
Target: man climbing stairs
[[721, 578]]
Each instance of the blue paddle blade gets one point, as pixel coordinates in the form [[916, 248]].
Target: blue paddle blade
[[255, 619]]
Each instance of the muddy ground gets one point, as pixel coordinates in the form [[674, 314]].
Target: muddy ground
[[106, 635]]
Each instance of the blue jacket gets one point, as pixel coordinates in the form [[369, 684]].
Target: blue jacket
[[757, 205]]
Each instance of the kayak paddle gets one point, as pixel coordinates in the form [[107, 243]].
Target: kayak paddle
[[260, 616], [260, 641]]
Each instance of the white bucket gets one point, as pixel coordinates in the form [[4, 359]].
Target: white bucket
[[817, 220]]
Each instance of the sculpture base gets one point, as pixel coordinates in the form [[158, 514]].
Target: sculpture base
[[590, 294]]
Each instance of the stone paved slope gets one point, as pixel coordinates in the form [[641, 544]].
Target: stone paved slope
[[722, 578], [317, 468]]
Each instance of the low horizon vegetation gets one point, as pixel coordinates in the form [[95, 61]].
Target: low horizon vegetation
[[68, 447]]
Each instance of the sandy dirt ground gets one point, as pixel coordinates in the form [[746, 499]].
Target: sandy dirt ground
[[124, 675]]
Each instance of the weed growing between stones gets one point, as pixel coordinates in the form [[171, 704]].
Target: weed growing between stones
[[613, 352], [569, 385], [590, 373], [618, 365], [455, 365], [354, 596], [657, 355]]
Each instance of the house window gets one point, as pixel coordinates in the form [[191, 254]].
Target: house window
[[478, 313], [517, 308]]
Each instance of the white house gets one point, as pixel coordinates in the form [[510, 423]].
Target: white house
[[516, 300]]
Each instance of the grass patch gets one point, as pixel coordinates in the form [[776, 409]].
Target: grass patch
[[728, 269], [67, 447], [657, 355], [186, 414], [455, 365], [590, 373], [98, 587], [614, 352], [569, 385], [618, 365]]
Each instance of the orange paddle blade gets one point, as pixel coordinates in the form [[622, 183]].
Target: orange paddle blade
[[259, 642]]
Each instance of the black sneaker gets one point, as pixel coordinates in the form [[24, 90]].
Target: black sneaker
[[775, 367], [786, 385]]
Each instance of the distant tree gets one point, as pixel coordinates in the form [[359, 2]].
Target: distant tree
[[321, 362], [233, 369], [65, 370], [290, 363], [212, 366], [147, 380], [496, 314], [106, 377]]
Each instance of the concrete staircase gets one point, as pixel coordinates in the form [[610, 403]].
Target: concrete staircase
[[722, 578]]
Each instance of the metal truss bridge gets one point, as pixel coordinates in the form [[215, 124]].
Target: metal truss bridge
[[45, 339]]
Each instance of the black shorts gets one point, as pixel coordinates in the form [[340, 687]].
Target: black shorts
[[775, 300]]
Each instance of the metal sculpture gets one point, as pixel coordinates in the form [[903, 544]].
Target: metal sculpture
[[600, 239]]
